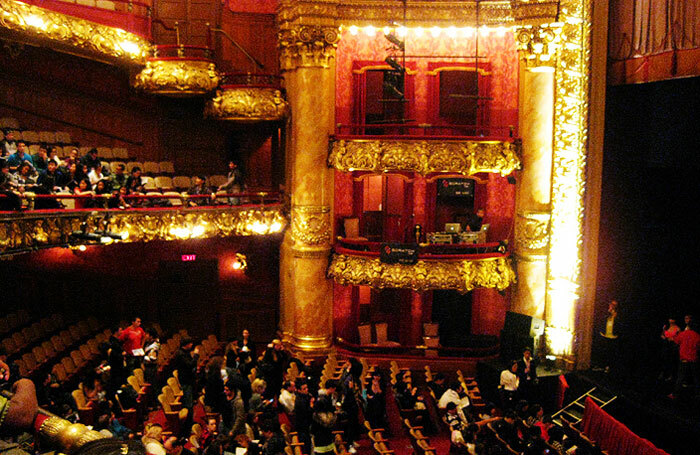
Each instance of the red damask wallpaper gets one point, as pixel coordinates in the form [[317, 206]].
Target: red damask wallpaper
[[252, 6]]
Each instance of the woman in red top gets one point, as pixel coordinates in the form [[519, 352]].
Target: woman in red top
[[669, 350]]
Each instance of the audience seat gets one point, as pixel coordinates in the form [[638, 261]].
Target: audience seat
[[217, 180], [85, 2], [34, 149], [30, 136], [48, 137], [120, 153], [104, 4], [132, 164], [9, 122], [105, 153], [113, 165], [82, 151], [62, 137], [149, 183], [85, 411], [164, 183], [166, 167], [182, 182], [150, 167]]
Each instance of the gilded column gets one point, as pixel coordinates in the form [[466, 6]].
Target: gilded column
[[307, 57], [537, 46]]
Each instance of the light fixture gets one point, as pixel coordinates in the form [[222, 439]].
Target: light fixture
[[240, 263], [393, 39]]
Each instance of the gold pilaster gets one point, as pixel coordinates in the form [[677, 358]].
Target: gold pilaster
[[307, 58]]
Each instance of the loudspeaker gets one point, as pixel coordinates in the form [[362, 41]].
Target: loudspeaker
[[519, 331]]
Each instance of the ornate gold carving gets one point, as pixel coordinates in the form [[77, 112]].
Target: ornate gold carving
[[311, 225], [307, 46], [538, 44], [531, 233], [24, 232], [534, 12], [35, 23], [426, 275], [69, 437], [177, 77], [247, 104], [425, 157], [571, 106]]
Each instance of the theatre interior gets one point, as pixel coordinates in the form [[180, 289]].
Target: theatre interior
[[425, 188]]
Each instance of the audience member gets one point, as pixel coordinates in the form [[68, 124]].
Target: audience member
[[185, 362], [90, 160], [20, 157], [9, 144], [133, 338], [199, 188], [234, 182]]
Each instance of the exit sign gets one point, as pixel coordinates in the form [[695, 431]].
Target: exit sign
[[189, 257]]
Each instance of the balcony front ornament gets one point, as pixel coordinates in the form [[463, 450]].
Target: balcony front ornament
[[425, 157], [459, 275], [78, 35], [247, 104], [177, 77]]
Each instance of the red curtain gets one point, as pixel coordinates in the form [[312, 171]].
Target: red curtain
[[613, 436]]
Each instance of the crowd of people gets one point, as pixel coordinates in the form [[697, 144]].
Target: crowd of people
[[243, 397], [44, 173]]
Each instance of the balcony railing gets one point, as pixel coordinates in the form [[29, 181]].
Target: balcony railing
[[422, 131]]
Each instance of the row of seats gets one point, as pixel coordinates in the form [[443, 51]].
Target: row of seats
[[149, 167], [419, 442], [13, 321], [22, 339], [72, 365], [37, 137]]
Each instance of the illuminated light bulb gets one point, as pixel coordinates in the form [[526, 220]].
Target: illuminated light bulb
[[386, 30], [276, 226], [435, 31], [370, 30], [484, 30], [180, 232], [258, 227], [198, 231], [402, 31], [82, 248], [125, 235], [35, 21], [452, 32], [353, 30], [130, 47], [240, 263], [500, 31], [419, 31]]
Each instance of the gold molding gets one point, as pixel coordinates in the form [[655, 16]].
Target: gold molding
[[572, 81], [247, 104], [20, 233], [533, 12], [307, 46], [39, 24], [364, 69], [437, 71], [311, 226], [538, 44], [531, 233], [67, 436], [459, 275], [177, 77], [425, 157]]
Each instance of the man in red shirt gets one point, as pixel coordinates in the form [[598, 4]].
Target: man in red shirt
[[132, 339], [689, 343]]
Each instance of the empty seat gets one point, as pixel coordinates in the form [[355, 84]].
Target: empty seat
[[59, 371], [182, 182], [164, 183], [62, 137], [9, 122], [132, 164], [217, 180], [120, 153], [114, 165], [30, 136], [104, 4], [150, 167], [105, 153], [166, 167], [149, 183], [47, 136]]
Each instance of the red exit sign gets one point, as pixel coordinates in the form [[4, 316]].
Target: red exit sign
[[189, 257]]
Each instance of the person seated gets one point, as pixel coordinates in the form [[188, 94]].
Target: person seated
[[20, 157], [134, 183], [199, 188], [9, 188], [506, 430], [53, 156], [452, 417], [453, 394], [95, 175], [474, 221], [119, 178], [286, 399], [40, 160], [91, 160], [47, 183], [437, 385], [9, 144], [83, 189]]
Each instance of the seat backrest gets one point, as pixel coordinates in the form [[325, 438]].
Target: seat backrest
[[132, 164], [381, 329], [164, 182], [365, 332], [151, 167], [166, 167], [105, 153], [79, 398], [9, 122], [164, 403], [168, 394], [30, 136], [174, 385], [63, 137], [120, 153], [182, 182], [134, 383], [431, 329]]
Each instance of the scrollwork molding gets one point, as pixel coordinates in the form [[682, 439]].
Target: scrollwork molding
[[311, 225], [247, 104], [307, 46], [178, 77]]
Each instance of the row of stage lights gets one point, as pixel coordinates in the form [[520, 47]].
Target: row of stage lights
[[435, 32]]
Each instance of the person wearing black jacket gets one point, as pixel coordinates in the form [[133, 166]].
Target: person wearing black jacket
[[185, 362]]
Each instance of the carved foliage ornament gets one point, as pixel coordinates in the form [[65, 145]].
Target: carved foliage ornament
[[68, 30], [247, 104], [178, 77], [311, 225], [20, 233], [531, 233], [307, 46], [425, 157], [459, 275], [538, 44]]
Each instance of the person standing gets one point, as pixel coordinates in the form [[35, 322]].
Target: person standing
[[610, 343], [688, 344], [185, 362], [669, 350], [509, 384], [133, 338], [234, 182], [527, 372]]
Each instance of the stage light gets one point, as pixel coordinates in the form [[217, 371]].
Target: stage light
[[82, 248], [402, 31], [418, 31], [240, 263], [395, 41], [386, 30], [353, 30]]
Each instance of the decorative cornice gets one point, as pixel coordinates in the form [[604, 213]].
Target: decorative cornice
[[247, 104], [307, 46], [311, 226], [177, 77], [19, 233], [534, 12], [34, 24], [425, 157], [426, 275], [531, 233], [538, 44]]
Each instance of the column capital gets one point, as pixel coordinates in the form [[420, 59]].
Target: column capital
[[311, 227], [307, 45], [538, 45], [531, 233]]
